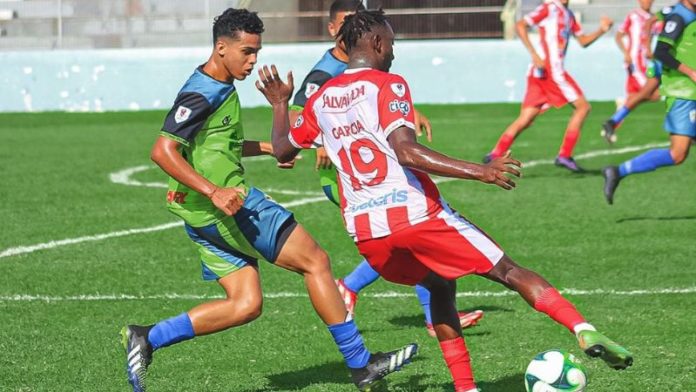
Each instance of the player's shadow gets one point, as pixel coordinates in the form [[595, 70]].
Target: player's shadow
[[327, 373], [655, 218], [560, 173]]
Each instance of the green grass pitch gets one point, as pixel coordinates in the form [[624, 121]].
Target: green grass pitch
[[631, 265]]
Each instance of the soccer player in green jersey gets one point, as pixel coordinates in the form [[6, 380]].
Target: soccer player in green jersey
[[676, 49], [233, 225]]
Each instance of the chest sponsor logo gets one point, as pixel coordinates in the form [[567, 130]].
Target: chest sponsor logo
[[400, 106], [399, 89], [343, 101], [182, 114], [311, 89], [393, 197], [299, 121], [176, 197], [347, 130], [670, 27]]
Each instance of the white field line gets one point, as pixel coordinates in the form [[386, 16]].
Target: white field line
[[386, 294], [123, 177]]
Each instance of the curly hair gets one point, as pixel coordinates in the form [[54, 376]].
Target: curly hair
[[232, 21], [344, 6], [358, 24]]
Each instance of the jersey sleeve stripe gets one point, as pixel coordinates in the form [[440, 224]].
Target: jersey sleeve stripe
[[397, 124]]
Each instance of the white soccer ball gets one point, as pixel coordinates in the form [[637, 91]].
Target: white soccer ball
[[555, 371]]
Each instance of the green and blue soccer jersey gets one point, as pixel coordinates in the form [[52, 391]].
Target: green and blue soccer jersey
[[206, 120], [327, 67], [679, 32]]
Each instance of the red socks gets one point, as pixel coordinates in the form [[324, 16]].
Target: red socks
[[558, 308], [569, 140], [459, 363], [503, 145]]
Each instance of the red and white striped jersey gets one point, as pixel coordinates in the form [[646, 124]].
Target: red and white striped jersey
[[556, 24], [636, 38], [351, 116]]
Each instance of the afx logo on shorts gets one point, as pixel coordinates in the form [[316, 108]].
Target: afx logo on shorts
[[400, 106], [395, 196], [692, 116]]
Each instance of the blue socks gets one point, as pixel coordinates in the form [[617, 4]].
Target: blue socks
[[620, 114], [170, 331], [350, 344], [362, 276], [424, 299], [646, 162]]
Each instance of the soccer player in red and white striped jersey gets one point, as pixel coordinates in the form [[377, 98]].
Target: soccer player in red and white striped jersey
[[634, 42], [392, 209], [548, 83]]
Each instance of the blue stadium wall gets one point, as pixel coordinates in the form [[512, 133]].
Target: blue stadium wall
[[452, 71]]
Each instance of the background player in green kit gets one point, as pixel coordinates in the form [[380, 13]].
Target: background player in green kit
[[333, 63], [200, 146], [676, 49]]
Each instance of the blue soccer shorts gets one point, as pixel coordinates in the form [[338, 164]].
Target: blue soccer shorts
[[681, 117], [258, 230]]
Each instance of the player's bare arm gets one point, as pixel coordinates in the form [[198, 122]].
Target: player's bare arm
[[648, 34], [166, 153], [523, 32], [619, 38], [278, 94], [414, 155], [586, 40]]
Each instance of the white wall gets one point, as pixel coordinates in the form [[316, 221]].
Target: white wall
[[453, 71]]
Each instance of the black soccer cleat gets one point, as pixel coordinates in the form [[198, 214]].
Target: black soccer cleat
[[138, 354], [371, 377], [608, 131], [611, 181]]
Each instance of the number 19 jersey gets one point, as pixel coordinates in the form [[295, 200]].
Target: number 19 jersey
[[352, 116]]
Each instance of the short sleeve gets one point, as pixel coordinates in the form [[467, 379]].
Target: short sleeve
[[626, 25], [395, 105], [672, 30], [310, 86], [576, 27], [535, 17], [305, 133], [187, 116]]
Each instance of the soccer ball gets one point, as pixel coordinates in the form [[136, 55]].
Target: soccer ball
[[555, 371]]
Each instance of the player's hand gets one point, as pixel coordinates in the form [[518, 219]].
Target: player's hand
[[272, 87], [495, 171], [288, 165], [538, 61], [228, 200], [605, 23], [323, 160], [423, 125], [627, 59]]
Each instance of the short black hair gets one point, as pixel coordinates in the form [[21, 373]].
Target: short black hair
[[232, 21], [361, 22], [344, 6]]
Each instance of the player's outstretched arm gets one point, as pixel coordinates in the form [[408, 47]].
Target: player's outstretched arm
[[278, 94], [411, 154], [586, 40], [166, 153]]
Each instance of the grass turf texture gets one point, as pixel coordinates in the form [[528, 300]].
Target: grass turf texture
[[56, 185]]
